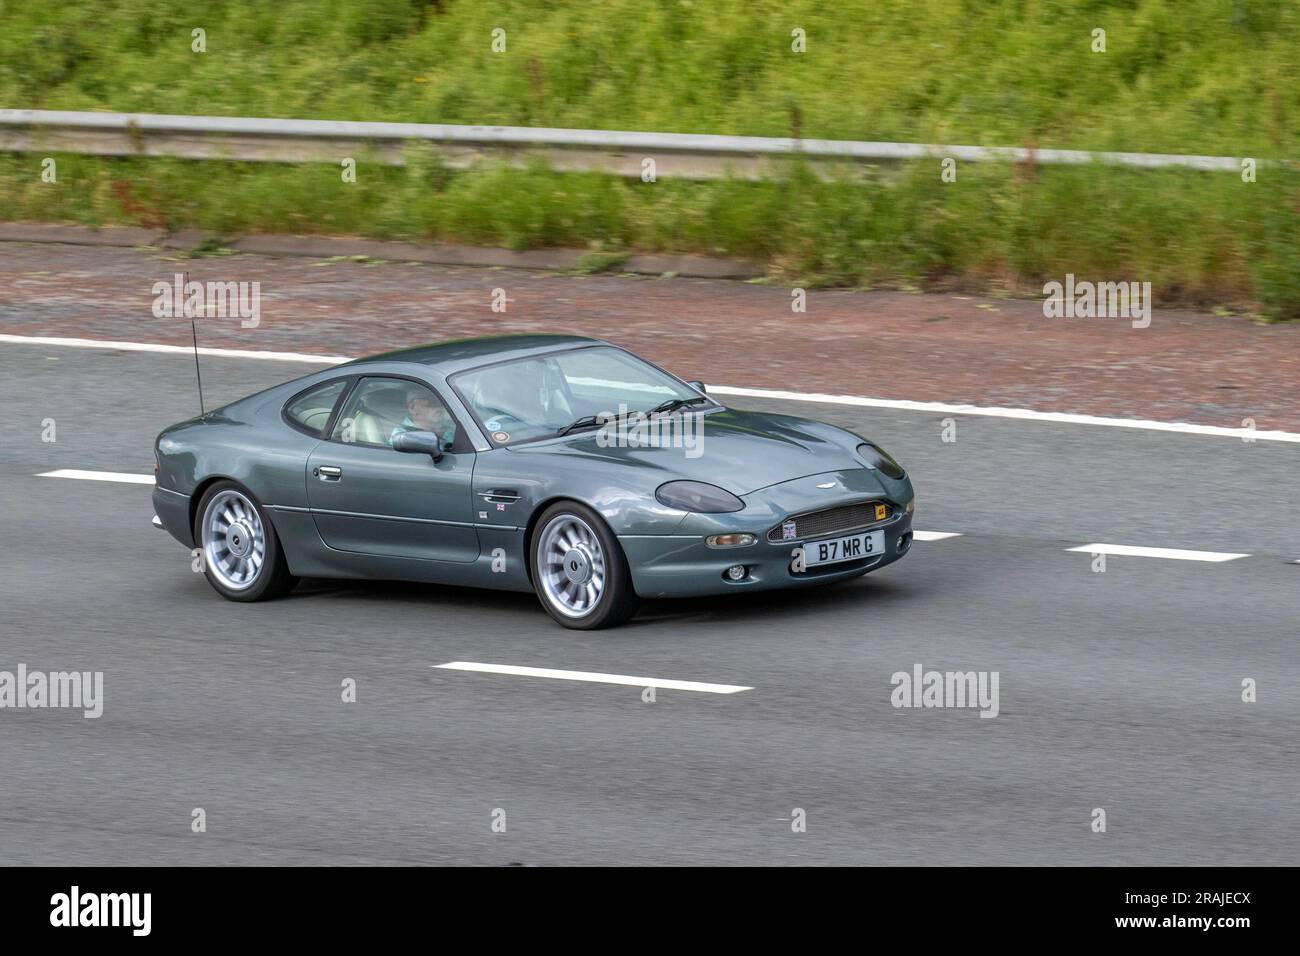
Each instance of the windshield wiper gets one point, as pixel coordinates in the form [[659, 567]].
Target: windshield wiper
[[675, 403], [594, 421], [586, 421]]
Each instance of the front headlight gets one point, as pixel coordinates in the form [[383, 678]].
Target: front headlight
[[876, 458], [698, 496]]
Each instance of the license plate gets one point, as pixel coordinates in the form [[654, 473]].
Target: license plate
[[849, 547]]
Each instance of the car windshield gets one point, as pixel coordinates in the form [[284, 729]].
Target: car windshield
[[538, 397]]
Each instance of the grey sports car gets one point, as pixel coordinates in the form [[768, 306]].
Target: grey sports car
[[553, 463]]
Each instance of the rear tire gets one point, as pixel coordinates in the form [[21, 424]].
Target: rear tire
[[242, 557], [579, 570]]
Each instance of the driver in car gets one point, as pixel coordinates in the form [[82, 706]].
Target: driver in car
[[425, 415]]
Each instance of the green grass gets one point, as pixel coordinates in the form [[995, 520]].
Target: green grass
[[1205, 76], [1202, 76], [1200, 238]]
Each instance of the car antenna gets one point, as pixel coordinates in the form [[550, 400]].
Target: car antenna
[[194, 335]]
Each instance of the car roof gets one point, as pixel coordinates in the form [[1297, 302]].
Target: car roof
[[456, 355]]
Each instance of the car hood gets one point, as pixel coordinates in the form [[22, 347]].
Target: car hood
[[739, 451]]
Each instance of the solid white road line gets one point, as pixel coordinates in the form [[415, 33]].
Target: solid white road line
[[1024, 414], [1175, 554], [596, 678], [98, 476], [935, 535], [174, 349]]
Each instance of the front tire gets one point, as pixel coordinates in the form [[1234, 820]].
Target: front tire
[[579, 570], [242, 558]]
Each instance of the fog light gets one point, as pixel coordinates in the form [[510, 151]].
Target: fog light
[[729, 540], [736, 572]]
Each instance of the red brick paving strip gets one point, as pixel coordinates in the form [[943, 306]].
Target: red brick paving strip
[[1187, 366]]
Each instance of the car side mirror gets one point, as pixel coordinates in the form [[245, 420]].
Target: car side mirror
[[426, 443], [699, 387]]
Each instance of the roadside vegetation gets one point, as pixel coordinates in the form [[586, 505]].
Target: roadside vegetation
[[1189, 76]]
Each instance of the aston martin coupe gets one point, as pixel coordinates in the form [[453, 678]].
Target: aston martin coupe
[[553, 463]]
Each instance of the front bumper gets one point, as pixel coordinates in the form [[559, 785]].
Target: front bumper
[[682, 565]]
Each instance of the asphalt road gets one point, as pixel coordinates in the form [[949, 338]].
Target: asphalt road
[[1119, 690]]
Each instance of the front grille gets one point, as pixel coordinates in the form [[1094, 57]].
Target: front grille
[[816, 524]]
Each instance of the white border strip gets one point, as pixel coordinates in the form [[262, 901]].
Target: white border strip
[[935, 535], [174, 349], [98, 476], [1175, 554], [592, 677], [1024, 414]]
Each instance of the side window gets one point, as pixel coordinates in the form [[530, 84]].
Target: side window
[[381, 408], [311, 410]]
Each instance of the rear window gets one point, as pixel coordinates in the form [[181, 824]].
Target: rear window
[[311, 409]]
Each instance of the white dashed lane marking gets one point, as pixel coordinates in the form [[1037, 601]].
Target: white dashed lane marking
[[1173, 554], [148, 480], [656, 682], [1126, 550], [98, 476]]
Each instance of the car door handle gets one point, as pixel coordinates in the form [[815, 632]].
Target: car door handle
[[328, 473], [504, 495]]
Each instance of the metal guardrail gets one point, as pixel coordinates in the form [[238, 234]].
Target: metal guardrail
[[683, 155]]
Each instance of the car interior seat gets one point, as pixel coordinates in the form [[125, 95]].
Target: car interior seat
[[379, 412]]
